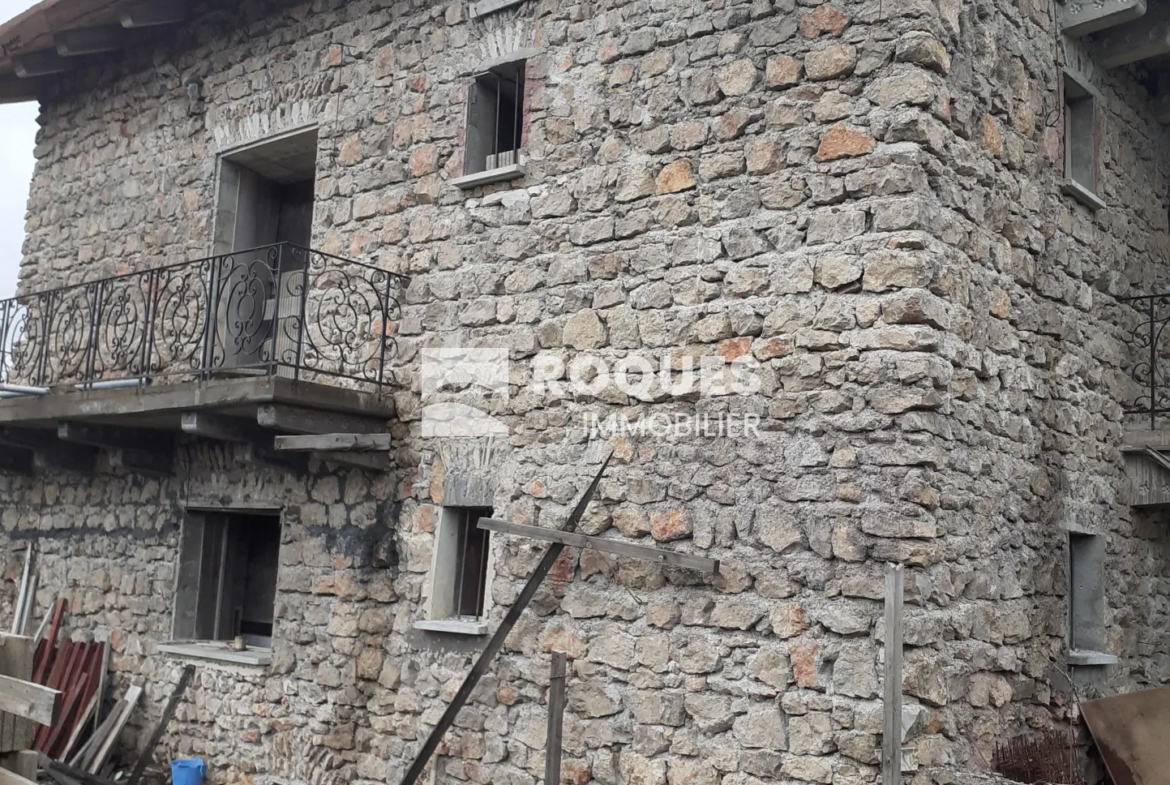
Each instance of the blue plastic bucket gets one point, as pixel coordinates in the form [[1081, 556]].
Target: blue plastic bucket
[[187, 772]]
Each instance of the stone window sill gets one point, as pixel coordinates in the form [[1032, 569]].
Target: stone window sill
[[1081, 194], [452, 626], [497, 175], [220, 652], [1081, 657]]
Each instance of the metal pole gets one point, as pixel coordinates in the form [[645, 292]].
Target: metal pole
[[892, 704], [497, 640], [556, 717]]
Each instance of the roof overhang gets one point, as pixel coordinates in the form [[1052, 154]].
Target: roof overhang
[[56, 36]]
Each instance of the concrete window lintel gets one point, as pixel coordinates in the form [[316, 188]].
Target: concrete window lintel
[[485, 7]]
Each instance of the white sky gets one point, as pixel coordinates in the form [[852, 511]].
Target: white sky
[[18, 131]]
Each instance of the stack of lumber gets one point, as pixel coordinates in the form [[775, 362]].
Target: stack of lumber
[[23, 702], [75, 670]]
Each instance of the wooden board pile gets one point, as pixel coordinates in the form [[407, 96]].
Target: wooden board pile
[[51, 695], [77, 671]]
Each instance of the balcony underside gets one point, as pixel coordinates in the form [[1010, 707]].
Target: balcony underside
[[138, 427], [1126, 32]]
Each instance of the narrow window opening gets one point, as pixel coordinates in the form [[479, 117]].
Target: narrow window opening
[[1086, 592], [1081, 166], [228, 567], [495, 119], [459, 581]]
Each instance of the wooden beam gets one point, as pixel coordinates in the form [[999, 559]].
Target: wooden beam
[[336, 442], [113, 437], [23, 763], [556, 717], [17, 653], [1133, 41], [1082, 17], [90, 40], [14, 460], [295, 419], [496, 642], [14, 90], [699, 563], [133, 692], [22, 598], [75, 461], [260, 455], [148, 751], [8, 777], [892, 685], [154, 13], [72, 772], [158, 464], [378, 462], [42, 63], [31, 701], [224, 429], [50, 453]]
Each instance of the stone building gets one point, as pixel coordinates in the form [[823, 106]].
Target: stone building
[[896, 236]]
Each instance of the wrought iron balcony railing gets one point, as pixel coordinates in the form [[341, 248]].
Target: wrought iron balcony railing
[[1151, 369], [275, 310]]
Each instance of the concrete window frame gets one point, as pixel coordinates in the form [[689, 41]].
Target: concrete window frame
[[191, 566], [450, 568], [1087, 635], [485, 119], [1080, 108]]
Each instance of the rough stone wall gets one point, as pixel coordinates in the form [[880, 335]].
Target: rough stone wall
[[861, 195]]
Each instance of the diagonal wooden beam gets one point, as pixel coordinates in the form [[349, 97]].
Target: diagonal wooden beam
[[497, 640], [700, 563], [147, 755]]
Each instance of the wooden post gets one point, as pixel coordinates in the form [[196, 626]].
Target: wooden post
[[496, 642], [556, 716], [892, 705]]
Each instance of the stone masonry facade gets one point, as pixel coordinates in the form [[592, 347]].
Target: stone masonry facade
[[861, 195]]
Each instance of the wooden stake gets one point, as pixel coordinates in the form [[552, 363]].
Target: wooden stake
[[22, 597], [496, 642], [556, 717], [892, 706]]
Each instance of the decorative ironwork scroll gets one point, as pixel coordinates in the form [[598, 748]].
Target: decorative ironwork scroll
[[1151, 370], [277, 310]]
